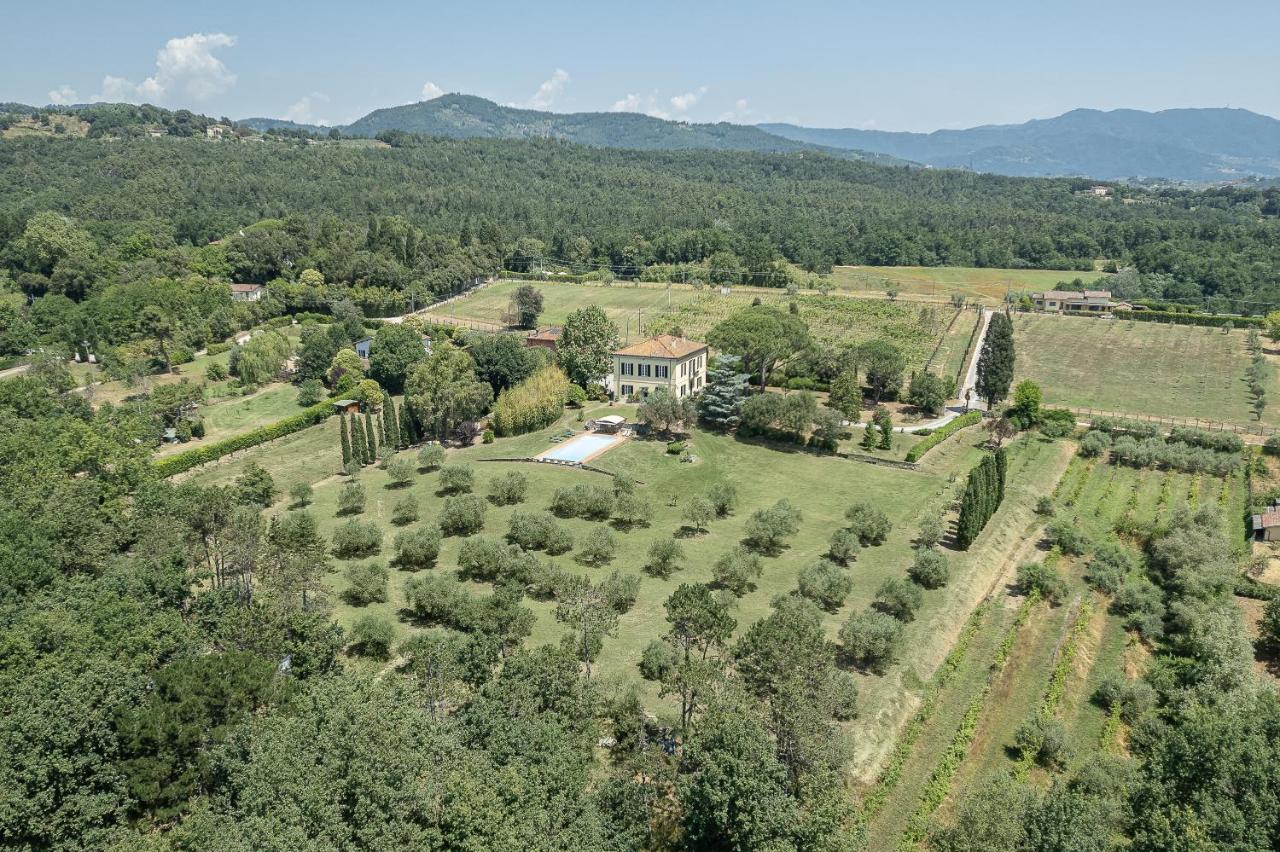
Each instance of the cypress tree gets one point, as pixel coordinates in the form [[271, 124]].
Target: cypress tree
[[393, 424], [346, 441], [983, 494], [370, 441], [995, 362], [1002, 470], [358, 452], [408, 435]]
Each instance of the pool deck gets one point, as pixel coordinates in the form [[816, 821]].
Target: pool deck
[[557, 454]]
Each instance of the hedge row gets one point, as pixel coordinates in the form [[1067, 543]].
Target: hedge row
[[188, 459], [941, 434], [533, 404], [1192, 319]]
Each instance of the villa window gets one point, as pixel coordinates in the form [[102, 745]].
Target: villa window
[[628, 369], [627, 390], [645, 371], [661, 371]]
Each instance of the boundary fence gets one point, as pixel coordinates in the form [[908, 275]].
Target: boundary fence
[[1258, 430]]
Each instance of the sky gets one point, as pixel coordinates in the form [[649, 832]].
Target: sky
[[920, 65]]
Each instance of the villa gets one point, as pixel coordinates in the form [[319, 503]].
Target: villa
[[664, 361]]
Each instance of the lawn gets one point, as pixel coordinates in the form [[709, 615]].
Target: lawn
[[1176, 371], [822, 486], [231, 415], [979, 284]]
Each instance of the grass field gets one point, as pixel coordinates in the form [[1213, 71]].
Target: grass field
[[979, 284], [1141, 368], [642, 311]]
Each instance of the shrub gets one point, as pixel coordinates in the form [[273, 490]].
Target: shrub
[[539, 531], [1044, 506], [675, 448], [400, 472], [310, 393], [1134, 698], [1109, 568], [657, 660], [431, 457], [418, 548], [1042, 578], [941, 434], [508, 489], [463, 515], [825, 583], [583, 501], [899, 599], [216, 372], [535, 403], [698, 512], [723, 497], [372, 636], [301, 494], [490, 560], [351, 498], [1057, 422], [1043, 740], [1068, 537], [620, 591], [546, 581], [844, 696], [844, 546], [457, 479], [735, 570], [1272, 446], [631, 510], [1094, 443], [932, 528], [767, 529], [665, 555], [929, 568], [405, 510], [598, 548], [486, 437], [1142, 605], [366, 584], [356, 539], [255, 486], [871, 525], [869, 639]]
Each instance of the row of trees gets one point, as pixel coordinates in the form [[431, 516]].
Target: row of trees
[[983, 494]]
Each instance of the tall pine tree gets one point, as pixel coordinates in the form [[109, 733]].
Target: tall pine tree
[[346, 440], [722, 398], [995, 362]]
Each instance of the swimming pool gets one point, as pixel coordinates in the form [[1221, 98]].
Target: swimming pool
[[581, 448]]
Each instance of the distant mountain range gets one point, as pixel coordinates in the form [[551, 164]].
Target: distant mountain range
[[1201, 145], [467, 116]]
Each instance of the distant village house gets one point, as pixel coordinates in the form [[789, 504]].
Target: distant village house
[[246, 292], [1074, 301], [544, 338]]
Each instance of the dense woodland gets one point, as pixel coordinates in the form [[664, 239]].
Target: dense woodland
[[169, 673]]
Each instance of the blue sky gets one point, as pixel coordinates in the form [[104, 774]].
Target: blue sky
[[887, 65]]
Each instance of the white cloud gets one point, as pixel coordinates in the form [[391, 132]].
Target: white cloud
[[740, 113], [186, 68], [688, 99], [303, 111], [549, 90], [430, 91], [62, 95], [647, 104]]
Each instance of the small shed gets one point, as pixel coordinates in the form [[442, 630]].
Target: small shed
[[362, 347], [347, 406], [545, 338], [610, 423], [1266, 526]]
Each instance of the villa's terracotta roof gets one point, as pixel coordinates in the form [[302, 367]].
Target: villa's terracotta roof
[[662, 346]]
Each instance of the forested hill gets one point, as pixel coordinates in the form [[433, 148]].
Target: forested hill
[[467, 117], [638, 207], [1183, 144]]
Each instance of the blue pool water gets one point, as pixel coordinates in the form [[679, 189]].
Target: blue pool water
[[579, 448]]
